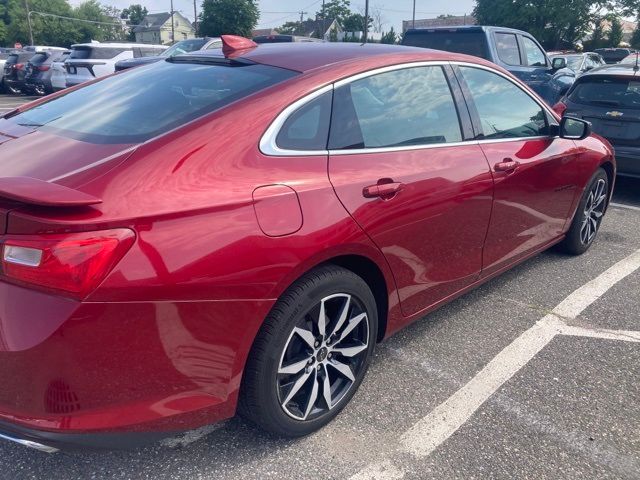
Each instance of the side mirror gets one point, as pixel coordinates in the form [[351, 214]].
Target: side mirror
[[559, 63], [574, 128]]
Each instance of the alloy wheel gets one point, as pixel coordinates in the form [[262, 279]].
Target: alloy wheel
[[593, 211], [323, 356]]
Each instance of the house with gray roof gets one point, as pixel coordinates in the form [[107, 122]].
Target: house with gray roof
[[156, 28]]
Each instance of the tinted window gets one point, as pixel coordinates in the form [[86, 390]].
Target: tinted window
[[148, 100], [38, 58], [403, 107], [184, 47], [13, 58], [574, 62], [535, 56], [505, 110], [607, 92], [507, 47], [473, 42], [308, 127], [98, 53], [274, 39]]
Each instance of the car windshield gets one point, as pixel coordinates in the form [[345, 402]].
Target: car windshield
[[573, 61], [633, 58], [472, 42], [148, 101], [184, 47], [607, 92]]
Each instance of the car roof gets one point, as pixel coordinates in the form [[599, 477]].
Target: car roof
[[117, 45], [618, 69], [483, 28], [306, 56]]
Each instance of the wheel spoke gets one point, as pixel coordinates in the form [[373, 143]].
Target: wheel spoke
[[584, 230], [597, 214], [326, 389], [353, 323], [294, 367], [296, 387], [322, 320], [343, 315], [350, 351], [343, 368], [313, 396], [306, 335], [599, 201]]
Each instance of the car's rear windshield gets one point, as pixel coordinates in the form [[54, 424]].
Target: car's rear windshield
[[39, 58], [13, 58], [96, 53], [470, 42], [142, 103], [274, 39], [607, 92]]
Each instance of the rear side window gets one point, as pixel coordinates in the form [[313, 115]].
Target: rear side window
[[91, 53], [38, 58], [405, 107], [507, 47], [504, 109], [535, 56], [607, 92], [308, 127], [149, 100], [473, 42]]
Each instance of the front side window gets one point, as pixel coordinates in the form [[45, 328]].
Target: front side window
[[507, 47], [535, 56], [505, 110], [308, 127], [148, 101], [405, 107]]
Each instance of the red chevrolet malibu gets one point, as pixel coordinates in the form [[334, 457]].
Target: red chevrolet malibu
[[234, 231]]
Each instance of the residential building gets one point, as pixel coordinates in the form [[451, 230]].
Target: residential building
[[156, 28]]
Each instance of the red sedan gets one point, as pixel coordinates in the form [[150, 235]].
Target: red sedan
[[234, 231]]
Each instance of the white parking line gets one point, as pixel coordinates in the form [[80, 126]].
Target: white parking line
[[622, 205], [431, 431]]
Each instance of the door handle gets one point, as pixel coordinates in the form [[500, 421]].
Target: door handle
[[382, 190], [507, 165]]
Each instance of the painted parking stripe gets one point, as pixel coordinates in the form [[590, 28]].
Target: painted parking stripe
[[625, 206], [442, 422]]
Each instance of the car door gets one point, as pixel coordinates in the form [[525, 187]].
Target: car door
[[534, 187], [400, 165]]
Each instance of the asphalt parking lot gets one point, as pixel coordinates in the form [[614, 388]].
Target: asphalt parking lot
[[533, 375]]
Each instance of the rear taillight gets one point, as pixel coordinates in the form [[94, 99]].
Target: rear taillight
[[73, 264], [42, 68], [559, 108], [19, 66]]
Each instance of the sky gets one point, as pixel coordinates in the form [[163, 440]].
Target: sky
[[274, 13]]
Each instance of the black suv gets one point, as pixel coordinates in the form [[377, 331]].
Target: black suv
[[37, 78], [609, 98], [15, 69]]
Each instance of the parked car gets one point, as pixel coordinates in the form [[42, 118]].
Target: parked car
[[284, 39], [514, 50], [578, 62], [633, 58], [59, 72], [3, 58], [613, 55], [609, 98], [216, 233], [14, 71], [88, 61], [179, 48], [39, 71]]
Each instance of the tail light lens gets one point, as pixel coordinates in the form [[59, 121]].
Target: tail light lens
[[73, 264], [42, 68], [559, 108], [19, 66]]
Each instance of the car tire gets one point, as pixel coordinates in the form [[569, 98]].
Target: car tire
[[589, 214], [333, 364]]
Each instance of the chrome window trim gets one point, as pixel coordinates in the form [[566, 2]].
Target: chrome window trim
[[269, 147]]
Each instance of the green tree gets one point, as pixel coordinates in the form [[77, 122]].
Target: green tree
[[291, 28], [635, 38], [390, 37], [355, 23], [219, 17], [555, 23], [615, 33], [46, 30], [335, 9], [108, 27], [597, 37], [133, 14]]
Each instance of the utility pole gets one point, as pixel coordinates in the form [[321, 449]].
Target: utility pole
[[413, 21], [302, 14], [366, 20], [173, 27], [195, 18], [324, 16], [26, 3]]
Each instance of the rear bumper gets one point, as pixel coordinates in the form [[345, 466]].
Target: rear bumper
[[628, 160], [87, 373]]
